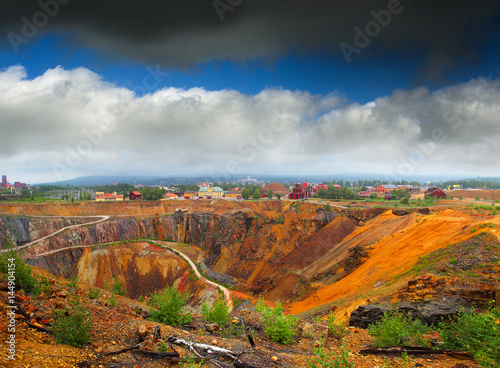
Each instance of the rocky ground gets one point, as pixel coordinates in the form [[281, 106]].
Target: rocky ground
[[115, 327]]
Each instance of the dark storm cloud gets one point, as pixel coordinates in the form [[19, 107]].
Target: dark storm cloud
[[184, 33]]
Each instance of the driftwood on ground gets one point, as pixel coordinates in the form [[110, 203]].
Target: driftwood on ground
[[415, 350]]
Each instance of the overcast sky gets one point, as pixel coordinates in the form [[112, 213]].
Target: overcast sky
[[199, 87]]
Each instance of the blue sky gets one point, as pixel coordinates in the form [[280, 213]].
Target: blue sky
[[270, 82], [361, 81]]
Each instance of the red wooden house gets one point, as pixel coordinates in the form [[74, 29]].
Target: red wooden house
[[436, 193], [135, 195]]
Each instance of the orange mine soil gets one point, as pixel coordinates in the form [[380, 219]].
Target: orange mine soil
[[397, 243], [137, 208]]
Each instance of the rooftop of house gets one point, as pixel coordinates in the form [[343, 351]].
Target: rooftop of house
[[214, 189]]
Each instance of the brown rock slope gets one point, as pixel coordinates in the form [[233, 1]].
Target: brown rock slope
[[140, 267]]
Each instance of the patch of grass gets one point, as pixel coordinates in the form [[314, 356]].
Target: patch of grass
[[233, 330], [73, 282], [423, 262], [112, 301], [44, 285], [94, 293], [321, 359], [335, 329], [190, 363], [118, 288]]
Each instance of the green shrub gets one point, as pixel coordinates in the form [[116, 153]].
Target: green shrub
[[44, 285], [73, 282], [167, 307], [190, 363], [477, 333], [278, 327], [232, 330], [323, 360], [23, 274], [118, 288], [72, 325], [335, 329], [327, 207], [396, 329], [218, 312], [94, 293], [112, 301], [280, 219]]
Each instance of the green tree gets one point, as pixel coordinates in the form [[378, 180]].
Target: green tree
[[256, 194], [218, 312], [245, 193], [168, 306], [270, 193], [278, 327]]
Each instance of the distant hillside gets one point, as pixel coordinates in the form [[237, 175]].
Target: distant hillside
[[104, 180]]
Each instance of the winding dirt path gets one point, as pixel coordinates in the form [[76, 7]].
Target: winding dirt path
[[102, 218], [227, 293]]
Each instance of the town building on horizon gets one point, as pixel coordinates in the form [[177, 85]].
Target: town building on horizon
[[106, 197]]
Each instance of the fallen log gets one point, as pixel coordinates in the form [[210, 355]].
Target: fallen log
[[415, 350], [250, 339], [215, 349], [159, 354], [243, 365]]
